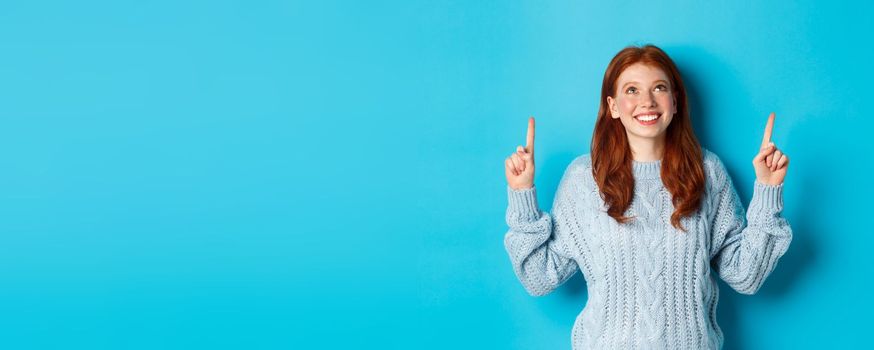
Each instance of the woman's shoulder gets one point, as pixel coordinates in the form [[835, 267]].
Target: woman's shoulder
[[583, 161], [581, 164], [712, 162], [580, 171], [578, 183], [714, 168]]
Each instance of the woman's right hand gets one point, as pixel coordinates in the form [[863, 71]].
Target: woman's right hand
[[519, 166]]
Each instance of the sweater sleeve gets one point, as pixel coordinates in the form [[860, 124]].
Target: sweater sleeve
[[745, 254], [540, 258]]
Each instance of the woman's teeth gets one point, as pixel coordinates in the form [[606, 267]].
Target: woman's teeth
[[648, 117]]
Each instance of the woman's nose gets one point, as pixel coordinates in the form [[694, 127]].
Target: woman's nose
[[647, 100]]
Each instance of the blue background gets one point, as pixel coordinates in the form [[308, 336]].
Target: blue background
[[323, 175]]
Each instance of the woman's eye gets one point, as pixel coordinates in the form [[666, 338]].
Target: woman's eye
[[631, 90], [662, 87]]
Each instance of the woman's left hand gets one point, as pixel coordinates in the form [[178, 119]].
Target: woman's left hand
[[770, 163]]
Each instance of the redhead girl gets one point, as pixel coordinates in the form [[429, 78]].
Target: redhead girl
[[649, 216]]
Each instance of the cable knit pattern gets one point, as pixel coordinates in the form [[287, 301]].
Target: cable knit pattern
[[649, 284]]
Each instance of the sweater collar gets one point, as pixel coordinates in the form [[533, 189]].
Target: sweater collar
[[646, 170]]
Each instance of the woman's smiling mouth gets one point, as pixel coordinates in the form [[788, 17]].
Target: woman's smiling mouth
[[647, 118]]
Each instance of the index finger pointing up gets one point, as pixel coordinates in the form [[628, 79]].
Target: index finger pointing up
[[768, 128], [529, 142]]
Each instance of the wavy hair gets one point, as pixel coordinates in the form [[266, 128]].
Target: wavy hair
[[682, 169]]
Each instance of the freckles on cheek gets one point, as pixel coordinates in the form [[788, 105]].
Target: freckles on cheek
[[626, 106], [666, 101]]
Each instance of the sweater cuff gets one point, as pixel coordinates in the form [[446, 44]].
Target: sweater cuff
[[767, 198], [524, 203]]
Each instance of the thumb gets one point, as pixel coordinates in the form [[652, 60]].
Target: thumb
[[764, 152], [524, 153]]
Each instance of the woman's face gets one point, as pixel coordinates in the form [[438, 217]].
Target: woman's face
[[642, 92]]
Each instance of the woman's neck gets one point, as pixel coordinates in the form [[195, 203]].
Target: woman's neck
[[647, 149]]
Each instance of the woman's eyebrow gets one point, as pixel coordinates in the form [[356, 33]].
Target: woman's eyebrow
[[634, 82]]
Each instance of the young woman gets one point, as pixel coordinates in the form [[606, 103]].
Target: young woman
[[645, 216]]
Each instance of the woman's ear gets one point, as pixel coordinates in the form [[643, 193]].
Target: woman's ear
[[611, 103], [675, 104]]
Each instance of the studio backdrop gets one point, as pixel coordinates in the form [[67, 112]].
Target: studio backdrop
[[329, 174]]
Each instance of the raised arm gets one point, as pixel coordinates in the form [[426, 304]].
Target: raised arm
[[746, 247], [540, 259]]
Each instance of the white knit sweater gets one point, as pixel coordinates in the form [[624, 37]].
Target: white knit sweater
[[650, 285]]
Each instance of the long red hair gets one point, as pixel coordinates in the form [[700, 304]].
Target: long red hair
[[682, 169]]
